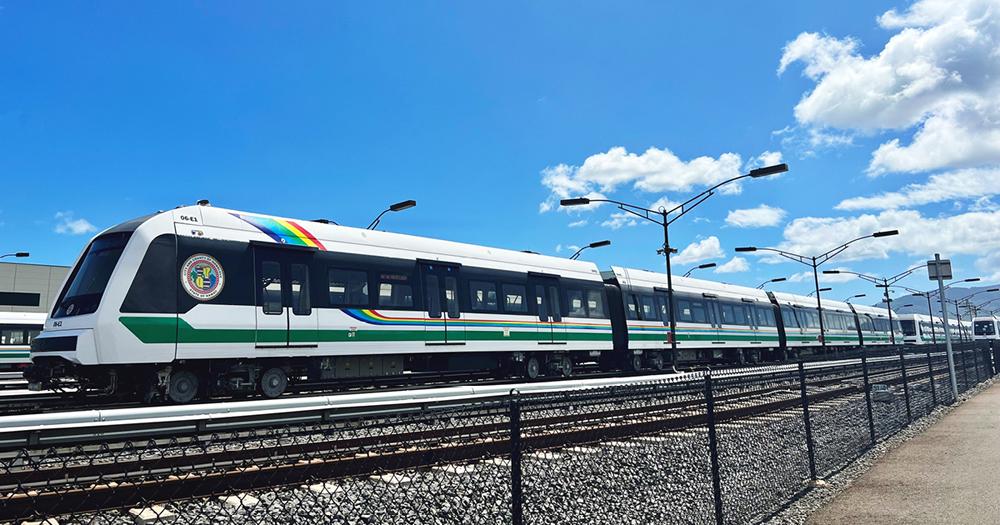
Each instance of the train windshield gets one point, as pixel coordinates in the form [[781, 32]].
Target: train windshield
[[908, 327], [985, 328], [83, 293]]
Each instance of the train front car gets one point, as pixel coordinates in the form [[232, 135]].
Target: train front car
[[202, 300], [985, 328]]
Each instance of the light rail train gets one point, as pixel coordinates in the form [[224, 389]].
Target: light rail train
[[986, 328], [17, 329], [214, 302]]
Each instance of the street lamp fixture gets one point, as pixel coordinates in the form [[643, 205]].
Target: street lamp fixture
[[814, 262], [776, 280], [662, 217], [399, 206], [18, 254], [597, 244], [810, 294], [702, 267], [854, 297]]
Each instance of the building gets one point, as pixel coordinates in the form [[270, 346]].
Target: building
[[29, 287]]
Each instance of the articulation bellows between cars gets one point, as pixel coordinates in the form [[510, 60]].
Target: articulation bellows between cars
[[213, 302]]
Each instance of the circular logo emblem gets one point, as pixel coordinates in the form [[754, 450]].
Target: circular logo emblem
[[202, 277]]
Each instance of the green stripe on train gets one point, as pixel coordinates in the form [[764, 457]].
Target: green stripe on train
[[159, 330]]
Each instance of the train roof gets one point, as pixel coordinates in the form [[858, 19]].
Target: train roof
[[224, 224], [22, 318], [648, 279]]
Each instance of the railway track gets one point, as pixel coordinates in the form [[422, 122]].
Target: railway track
[[207, 465]]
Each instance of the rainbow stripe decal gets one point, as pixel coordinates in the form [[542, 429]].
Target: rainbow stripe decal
[[376, 318], [283, 231]]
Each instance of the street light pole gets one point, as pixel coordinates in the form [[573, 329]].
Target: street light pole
[[814, 262], [665, 221], [701, 267], [886, 283]]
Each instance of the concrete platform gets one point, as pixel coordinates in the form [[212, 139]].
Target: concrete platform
[[950, 474]]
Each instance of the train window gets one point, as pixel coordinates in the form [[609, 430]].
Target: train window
[[543, 314], [765, 316], [347, 287], [484, 296], [633, 312], [575, 300], [661, 303], [788, 316], [451, 296], [738, 316], [595, 304], [684, 310], [649, 312], [727, 314], [554, 300], [12, 337], [698, 312], [89, 279], [514, 298], [32, 334], [300, 290], [849, 322], [982, 328], [270, 292], [432, 294], [395, 294]]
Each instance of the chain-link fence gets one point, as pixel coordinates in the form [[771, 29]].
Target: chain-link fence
[[728, 447]]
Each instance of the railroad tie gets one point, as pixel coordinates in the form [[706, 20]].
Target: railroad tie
[[324, 488], [239, 500], [151, 515]]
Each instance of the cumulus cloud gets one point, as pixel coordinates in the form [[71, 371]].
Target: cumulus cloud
[[760, 216], [989, 267], [700, 251], [67, 224], [961, 184], [938, 73], [577, 224], [656, 170], [768, 158], [618, 220], [736, 264], [823, 277], [973, 233]]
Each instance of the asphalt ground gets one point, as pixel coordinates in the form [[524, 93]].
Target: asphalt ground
[[948, 474]]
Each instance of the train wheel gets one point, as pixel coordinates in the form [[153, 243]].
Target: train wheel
[[183, 386], [741, 357], [657, 362], [636, 363], [273, 382], [532, 368], [566, 366]]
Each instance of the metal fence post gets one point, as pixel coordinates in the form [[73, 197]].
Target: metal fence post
[[805, 418], [930, 370], [993, 354], [713, 447], [868, 395], [965, 373], [516, 496], [975, 362], [906, 387]]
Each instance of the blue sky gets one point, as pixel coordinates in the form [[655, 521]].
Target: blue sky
[[886, 113]]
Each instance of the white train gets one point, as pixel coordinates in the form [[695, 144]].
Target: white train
[[985, 328], [919, 329], [203, 300], [17, 329]]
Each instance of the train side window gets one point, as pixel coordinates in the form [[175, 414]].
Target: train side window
[[728, 317], [32, 334], [739, 316], [514, 298], [575, 300], [595, 304], [788, 316], [543, 315], [300, 290], [395, 294], [271, 287], [484, 296], [12, 337], [649, 312], [765, 316], [684, 310], [632, 311], [698, 312], [347, 287], [661, 303], [849, 321], [451, 296], [554, 299]]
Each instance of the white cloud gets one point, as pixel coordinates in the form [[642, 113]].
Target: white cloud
[[960, 184], [736, 264], [700, 251], [939, 74], [973, 233], [760, 216], [768, 158], [577, 224], [618, 220], [823, 277], [656, 170], [558, 248], [71, 226], [989, 267]]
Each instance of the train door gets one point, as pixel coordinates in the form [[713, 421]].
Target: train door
[[284, 313], [663, 309], [750, 312], [443, 318], [546, 292], [714, 314]]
